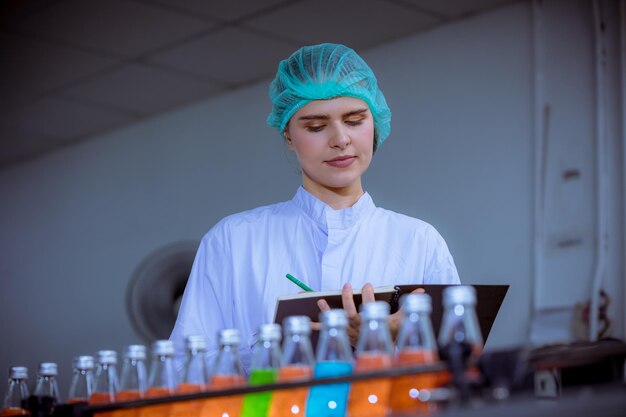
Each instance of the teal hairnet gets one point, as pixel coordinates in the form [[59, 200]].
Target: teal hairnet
[[321, 72]]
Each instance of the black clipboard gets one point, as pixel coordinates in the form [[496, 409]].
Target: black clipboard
[[489, 299]]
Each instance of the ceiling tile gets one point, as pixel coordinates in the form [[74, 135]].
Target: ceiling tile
[[142, 89], [31, 67], [20, 144], [118, 27], [223, 10], [356, 23], [102, 63], [15, 9], [230, 55], [455, 8], [59, 117]]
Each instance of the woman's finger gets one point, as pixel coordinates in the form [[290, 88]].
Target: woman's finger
[[367, 293], [323, 305], [347, 298], [394, 322]]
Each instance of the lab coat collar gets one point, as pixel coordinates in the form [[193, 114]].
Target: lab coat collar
[[329, 218]]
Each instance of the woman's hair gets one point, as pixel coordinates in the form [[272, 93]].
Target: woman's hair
[[322, 72]]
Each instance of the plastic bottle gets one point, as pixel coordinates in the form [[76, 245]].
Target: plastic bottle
[[46, 394], [17, 392], [296, 364], [460, 323], [264, 370], [334, 358], [193, 377], [133, 380], [162, 380], [415, 346], [373, 352], [459, 336], [226, 372], [106, 382], [82, 380]]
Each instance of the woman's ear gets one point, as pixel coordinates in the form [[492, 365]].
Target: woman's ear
[[287, 138]]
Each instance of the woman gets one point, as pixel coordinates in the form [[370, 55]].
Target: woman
[[328, 108]]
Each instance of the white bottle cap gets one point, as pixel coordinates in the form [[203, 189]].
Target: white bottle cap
[[18, 372], [229, 337], [163, 348], [297, 325], [84, 362], [334, 318], [459, 294], [270, 332], [196, 342], [416, 303], [375, 310], [48, 369], [136, 352], [107, 357]]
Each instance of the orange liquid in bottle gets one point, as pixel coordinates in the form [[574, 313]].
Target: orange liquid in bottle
[[127, 395], [160, 410], [98, 398], [77, 400], [227, 406], [14, 411], [101, 398], [290, 402], [405, 389], [187, 408], [370, 397]]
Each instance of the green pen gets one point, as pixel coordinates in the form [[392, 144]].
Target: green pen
[[298, 283]]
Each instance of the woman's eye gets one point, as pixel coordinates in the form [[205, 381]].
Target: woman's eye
[[315, 128], [354, 122]]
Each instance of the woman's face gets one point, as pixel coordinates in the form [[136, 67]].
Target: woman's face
[[333, 141]]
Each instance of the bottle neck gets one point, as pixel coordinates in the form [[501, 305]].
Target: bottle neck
[[17, 392], [195, 369], [297, 350], [416, 332], [334, 345], [83, 372], [106, 379], [82, 385], [374, 337], [163, 373], [47, 387], [266, 355], [227, 361], [460, 325], [134, 376]]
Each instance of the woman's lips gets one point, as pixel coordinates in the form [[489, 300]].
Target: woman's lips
[[341, 162]]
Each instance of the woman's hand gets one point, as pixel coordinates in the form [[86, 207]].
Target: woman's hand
[[395, 319], [354, 319]]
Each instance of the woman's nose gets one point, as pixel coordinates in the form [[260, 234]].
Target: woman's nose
[[340, 137]]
